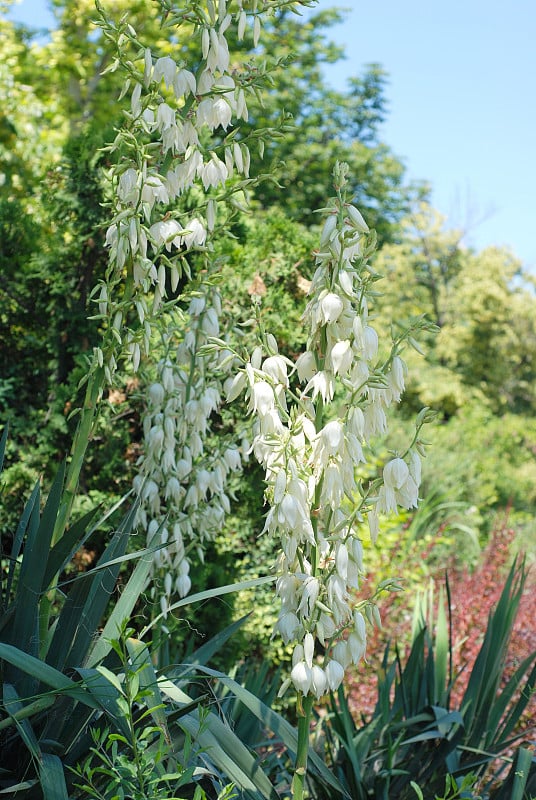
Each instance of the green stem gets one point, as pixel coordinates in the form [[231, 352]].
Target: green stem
[[81, 439], [300, 772]]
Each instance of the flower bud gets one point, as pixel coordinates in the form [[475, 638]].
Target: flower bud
[[356, 219]]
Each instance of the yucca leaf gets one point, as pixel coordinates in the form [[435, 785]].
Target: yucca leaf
[[521, 773], [64, 549], [223, 747], [121, 611], [66, 626], [24, 622], [207, 595], [25, 711], [31, 504], [204, 653], [3, 442], [13, 706], [142, 663], [480, 694], [101, 586], [23, 786], [106, 690], [504, 730], [120, 561], [441, 652], [514, 786], [44, 673], [87, 602], [345, 733], [273, 721], [52, 778], [26, 632]]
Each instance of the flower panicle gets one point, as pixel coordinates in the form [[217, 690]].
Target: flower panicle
[[311, 449]]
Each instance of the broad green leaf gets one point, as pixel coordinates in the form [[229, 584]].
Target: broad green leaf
[[44, 673], [121, 611], [222, 746], [52, 778], [106, 691]]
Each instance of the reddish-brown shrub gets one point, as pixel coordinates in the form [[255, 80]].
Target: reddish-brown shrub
[[473, 595]]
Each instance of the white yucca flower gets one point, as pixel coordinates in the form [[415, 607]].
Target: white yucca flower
[[182, 488], [310, 455]]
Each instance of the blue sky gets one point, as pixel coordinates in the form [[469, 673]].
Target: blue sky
[[462, 110]]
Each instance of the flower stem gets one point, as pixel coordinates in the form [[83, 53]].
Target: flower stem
[[300, 772]]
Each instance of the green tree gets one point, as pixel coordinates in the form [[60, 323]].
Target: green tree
[[484, 306]]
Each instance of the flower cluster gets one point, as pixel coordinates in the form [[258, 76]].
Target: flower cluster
[[313, 422], [183, 130], [181, 483]]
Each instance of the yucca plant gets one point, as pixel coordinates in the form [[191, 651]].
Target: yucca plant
[[64, 689], [416, 736], [48, 630]]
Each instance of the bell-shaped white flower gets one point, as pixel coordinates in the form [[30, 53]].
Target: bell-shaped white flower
[[395, 378], [356, 648], [276, 368], [184, 83], [262, 398], [370, 343], [301, 677], [395, 473], [165, 68], [288, 626], [306, 366], [308, 648], [331, 307], [321, 384], [334, 674], [360, 627], [319, 681], [194, 234], [341, 357]]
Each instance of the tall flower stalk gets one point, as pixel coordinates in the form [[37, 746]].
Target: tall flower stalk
[[314, 421], [184, 470], [181, 135]]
